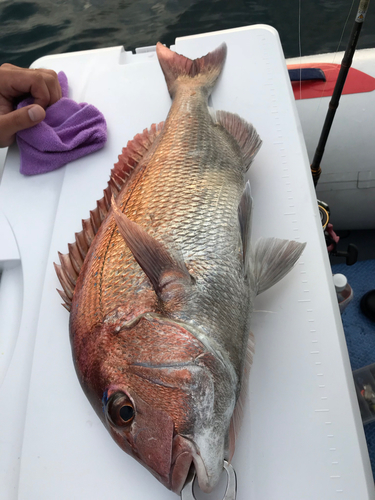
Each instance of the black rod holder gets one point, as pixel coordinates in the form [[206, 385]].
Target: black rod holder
[[334, 102]]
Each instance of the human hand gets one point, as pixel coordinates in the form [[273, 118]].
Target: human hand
[[43, 86]]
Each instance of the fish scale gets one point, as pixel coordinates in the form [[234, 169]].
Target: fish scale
[[175, 201]]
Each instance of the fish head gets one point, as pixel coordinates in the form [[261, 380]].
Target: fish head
[[164, 397]]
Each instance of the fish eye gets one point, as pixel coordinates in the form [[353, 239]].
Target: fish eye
[[120, 409], [126, 413]]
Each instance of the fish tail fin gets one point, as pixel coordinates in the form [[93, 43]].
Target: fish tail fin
[[179, 69], [271, 260]]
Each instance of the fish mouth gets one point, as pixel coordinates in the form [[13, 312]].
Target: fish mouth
[[184, 456]]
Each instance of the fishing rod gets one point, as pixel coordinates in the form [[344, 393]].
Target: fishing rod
[[334, 103]]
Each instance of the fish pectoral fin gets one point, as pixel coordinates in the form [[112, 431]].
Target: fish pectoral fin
[[271, 260], [244, 218], [168, 274], [243, 132]]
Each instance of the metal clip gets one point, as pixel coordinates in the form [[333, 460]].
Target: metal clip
[[230, 492]]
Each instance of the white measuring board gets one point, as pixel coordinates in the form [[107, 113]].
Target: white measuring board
[[302, 436]]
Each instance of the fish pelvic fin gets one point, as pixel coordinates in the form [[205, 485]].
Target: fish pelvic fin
[[72, 262], [168, 274], [271, 260], [239, 409], [244, 218], [179, 69], [243, 132]]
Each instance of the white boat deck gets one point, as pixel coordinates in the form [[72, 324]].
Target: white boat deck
[[302, 436]]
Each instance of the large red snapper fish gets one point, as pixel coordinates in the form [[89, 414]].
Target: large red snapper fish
[[161, 282]]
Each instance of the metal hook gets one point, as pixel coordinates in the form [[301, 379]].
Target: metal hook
[[231, 489]]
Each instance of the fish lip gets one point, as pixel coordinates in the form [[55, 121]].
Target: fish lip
[[185, 454]]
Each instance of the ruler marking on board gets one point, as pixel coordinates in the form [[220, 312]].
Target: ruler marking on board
[[306, 297], [315, 341]]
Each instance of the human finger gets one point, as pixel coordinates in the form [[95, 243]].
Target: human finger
[[21, 119], [43, 85], [8, 65], [15, 82], [52, 83]]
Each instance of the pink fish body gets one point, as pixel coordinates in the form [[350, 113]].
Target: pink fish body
[[160, 283]]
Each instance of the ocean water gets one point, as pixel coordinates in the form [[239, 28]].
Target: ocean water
[[30, 29]]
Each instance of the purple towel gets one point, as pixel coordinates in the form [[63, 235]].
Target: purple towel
[[69, 131]]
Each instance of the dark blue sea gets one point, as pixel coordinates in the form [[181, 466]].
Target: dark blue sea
[[30, 29]]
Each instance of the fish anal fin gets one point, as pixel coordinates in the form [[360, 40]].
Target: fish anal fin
[[168, 275], [243, 132], [271, 260], [239, 409], [244, 218], [71, 263]]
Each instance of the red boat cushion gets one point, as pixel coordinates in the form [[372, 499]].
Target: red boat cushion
[[356, 81]]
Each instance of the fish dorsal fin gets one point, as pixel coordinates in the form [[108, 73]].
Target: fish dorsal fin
[[239, 409], [71, 263], [243, 132], [244, 217], [167, 273], [271, 260]]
